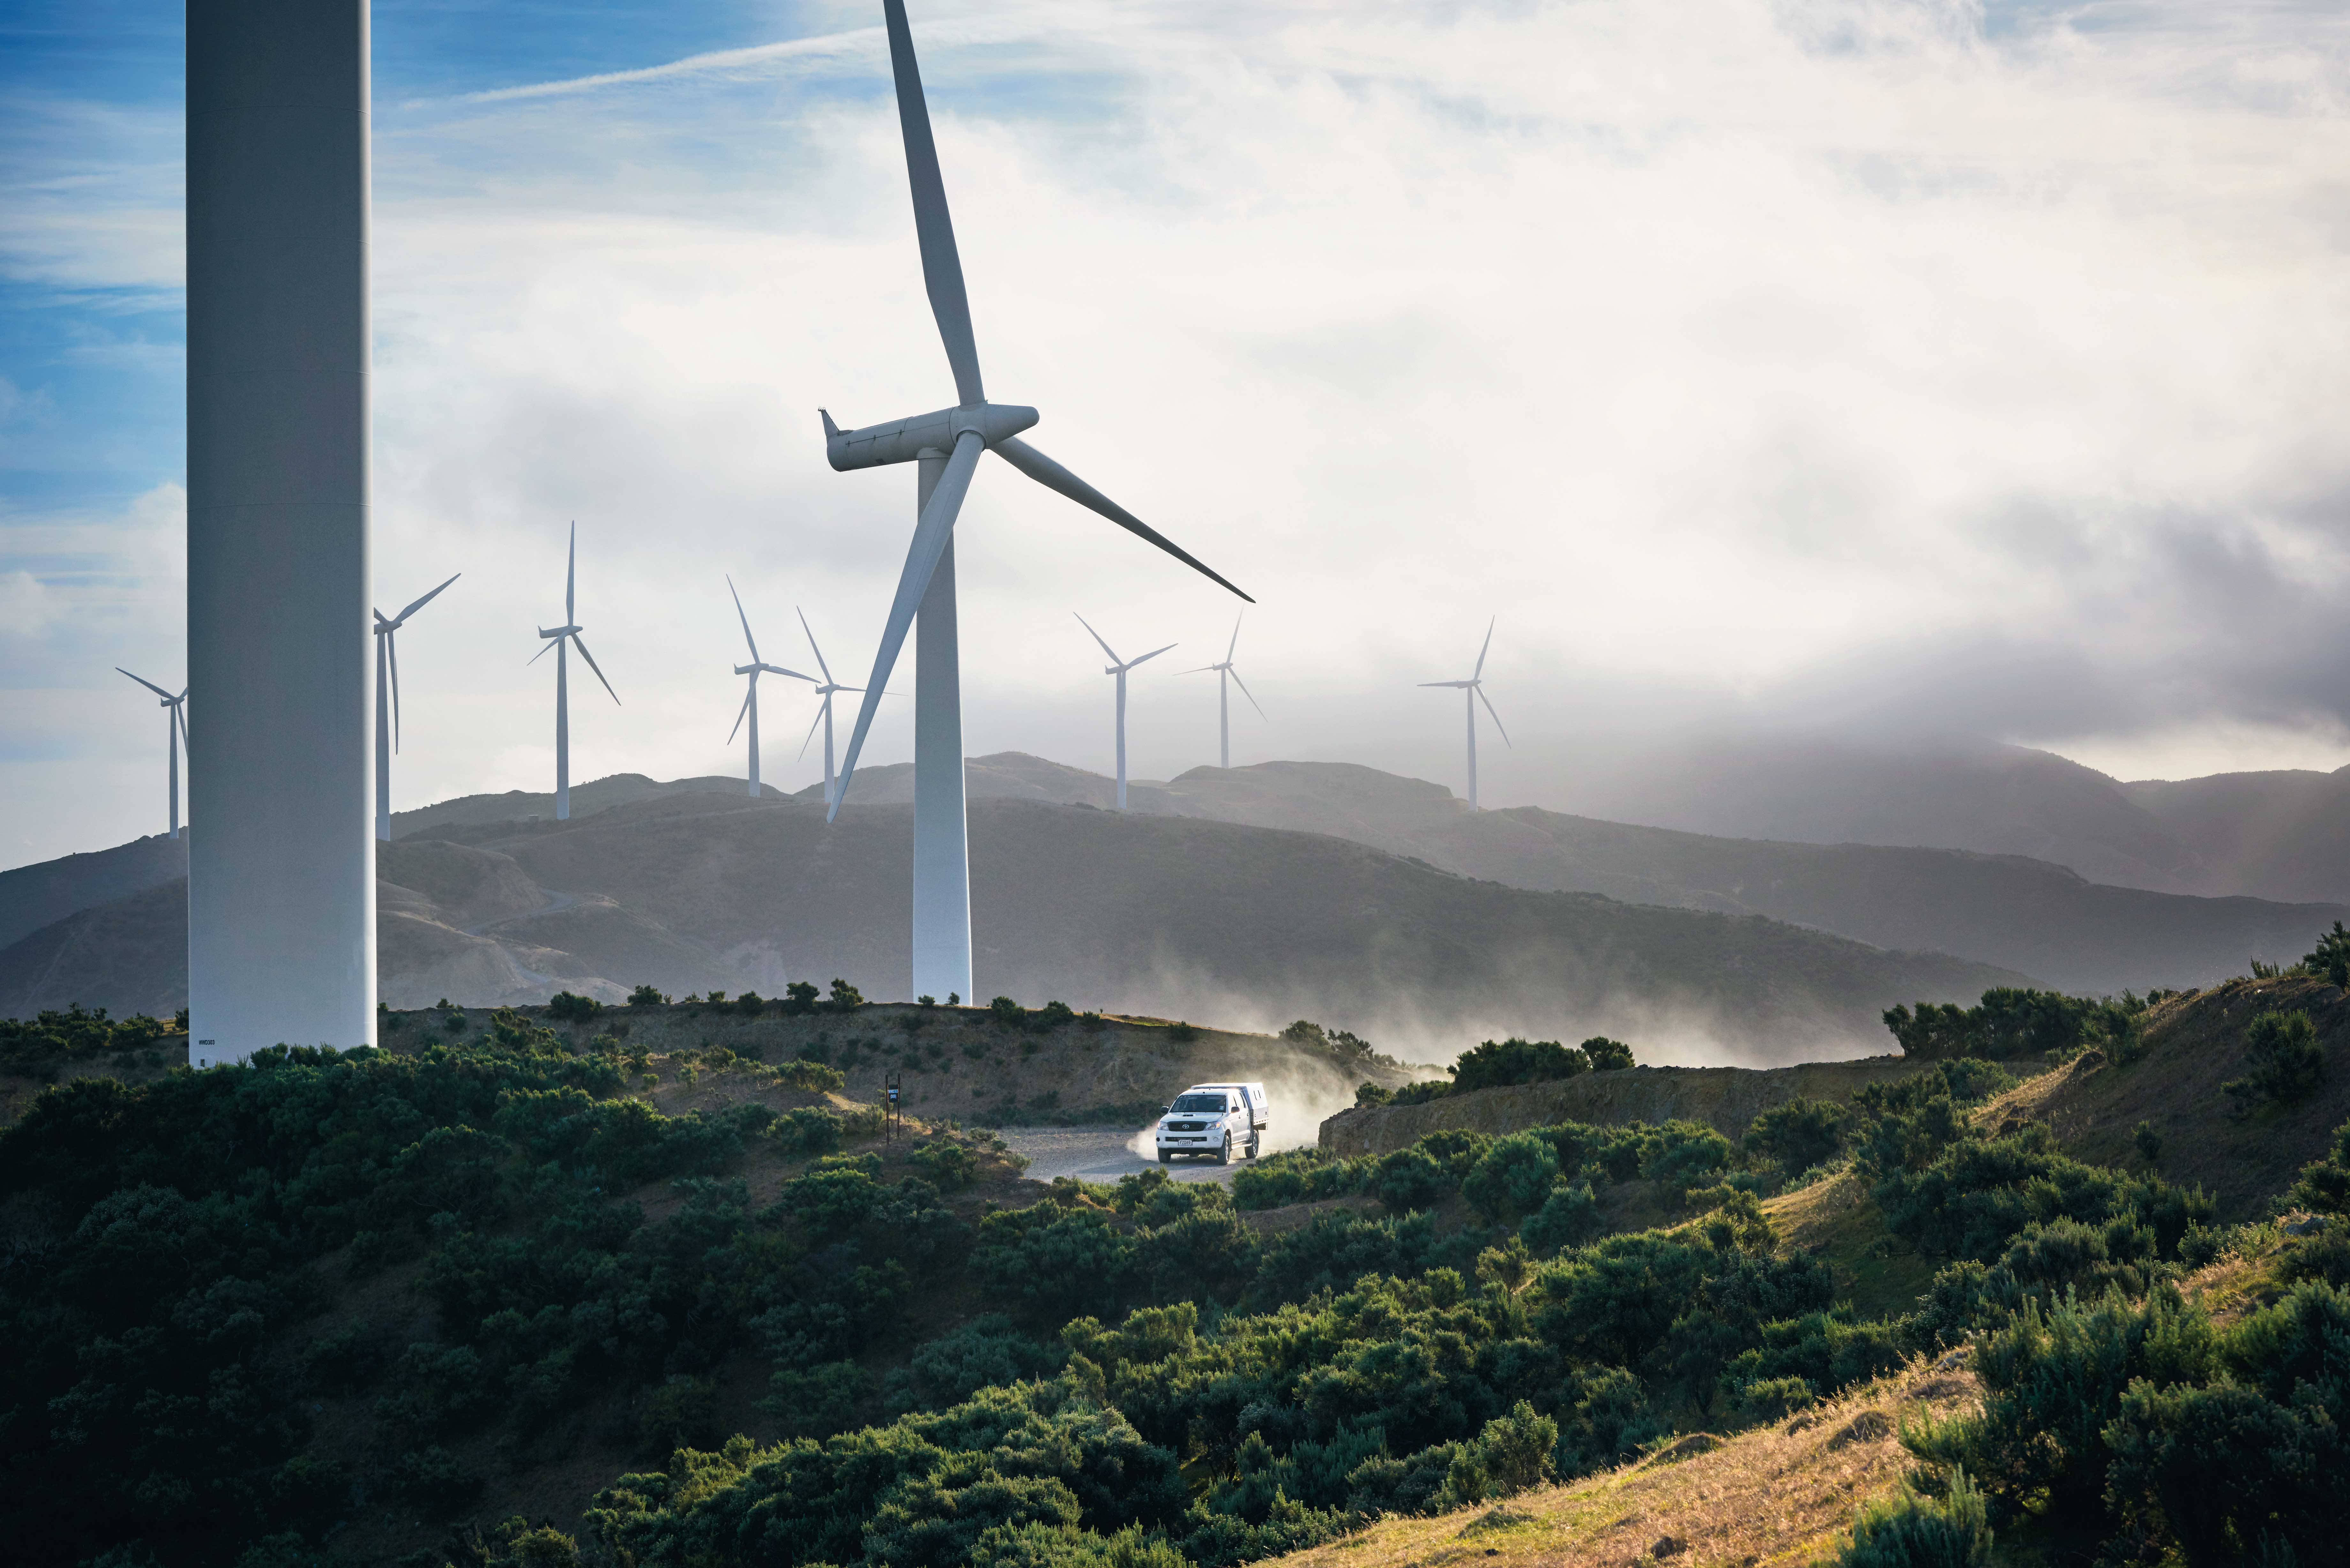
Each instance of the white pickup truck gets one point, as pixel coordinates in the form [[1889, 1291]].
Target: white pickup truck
[[1214, 1119]]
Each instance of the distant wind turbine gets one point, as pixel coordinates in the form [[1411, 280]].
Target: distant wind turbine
[[750, 709], [945, 447], [387, 713], [1118, 668], [1473, 692], [568, 632], [825, 689], [1227, 676], [176, 723]]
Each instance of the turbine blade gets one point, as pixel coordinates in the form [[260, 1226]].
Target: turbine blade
[[591, 664], [1152, 654], [745, 619], [744, 709], [570, 576], [1246, 692], [1236, 637], [1106, 647], [941, 265], [1452, 685], [930, 536], [403, 617], [1479, 672], [182, 715], [142, 680], [1497, 717], [779, 669], [1204, 669], [391, 657], [543, 646], [813, 723], [1053, 476], [820, 664]]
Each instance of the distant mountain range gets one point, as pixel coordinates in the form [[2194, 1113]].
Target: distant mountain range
[[1140, 912], [691, 884]]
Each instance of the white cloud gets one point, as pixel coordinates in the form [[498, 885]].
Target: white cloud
[[1837, 362]]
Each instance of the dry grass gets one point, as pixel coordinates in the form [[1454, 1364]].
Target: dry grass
[[1779, 1494]]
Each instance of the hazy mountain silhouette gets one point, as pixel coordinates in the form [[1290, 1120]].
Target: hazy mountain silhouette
[[587, 799], [1990, 799], [2282, 834], [2007, 910], [32, 897], [1136, 913]]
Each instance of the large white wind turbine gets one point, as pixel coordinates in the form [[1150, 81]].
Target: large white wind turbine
[[750, 709], [387, 712], [1473, 692], [825, 689], [568, 632], [1119, 667], [1227, 676], [945, 446], [176, 723]]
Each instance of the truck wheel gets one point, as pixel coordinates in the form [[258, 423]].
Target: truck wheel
[[1224, 1153], [1166, 1157], [1252, 1146]]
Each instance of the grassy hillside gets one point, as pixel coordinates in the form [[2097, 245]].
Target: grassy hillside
[[1724, 1098], [2195, 1044], [512, 1297], [969, 1064]]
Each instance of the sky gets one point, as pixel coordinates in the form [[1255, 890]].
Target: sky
[[1929, 370]]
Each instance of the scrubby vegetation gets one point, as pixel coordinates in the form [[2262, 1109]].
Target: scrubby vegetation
[[254, 1310], [40, 1047]]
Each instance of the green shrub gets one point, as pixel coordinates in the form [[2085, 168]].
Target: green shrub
[[435, 1481], [2010, 1021], [1568, 1218], [1798, 1135], [844, 997], [1907, 1530], [1008, 1013], [1606, 1056], [1369, 1094], [1512, 1179], [567, 1007], [2323, 1184], [1495, 1064], [646, 996], [2330, 961], [2284, 1060]]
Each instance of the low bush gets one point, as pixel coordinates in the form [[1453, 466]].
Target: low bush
[[2283, 1061]]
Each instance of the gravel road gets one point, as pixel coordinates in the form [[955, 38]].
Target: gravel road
[[1101, 1153]]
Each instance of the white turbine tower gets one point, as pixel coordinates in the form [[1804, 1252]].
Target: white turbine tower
[[1118, 668], [387, 713], [825, 689], [1473, 692], [946, 447], [750, 709], [1227, 676], [568, 632], [176, 723]]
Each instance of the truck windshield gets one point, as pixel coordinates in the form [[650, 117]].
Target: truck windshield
[[1198, 1106]]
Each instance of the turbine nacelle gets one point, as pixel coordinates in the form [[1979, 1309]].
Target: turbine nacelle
[[561, 631], [903, 440]]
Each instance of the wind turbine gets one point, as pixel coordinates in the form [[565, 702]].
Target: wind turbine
[[750, 709], [1473, 692], [945, 445], [825, 689], [1225, 673], [387, 727], [568, 632], [1118, 668], [176, 723]]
